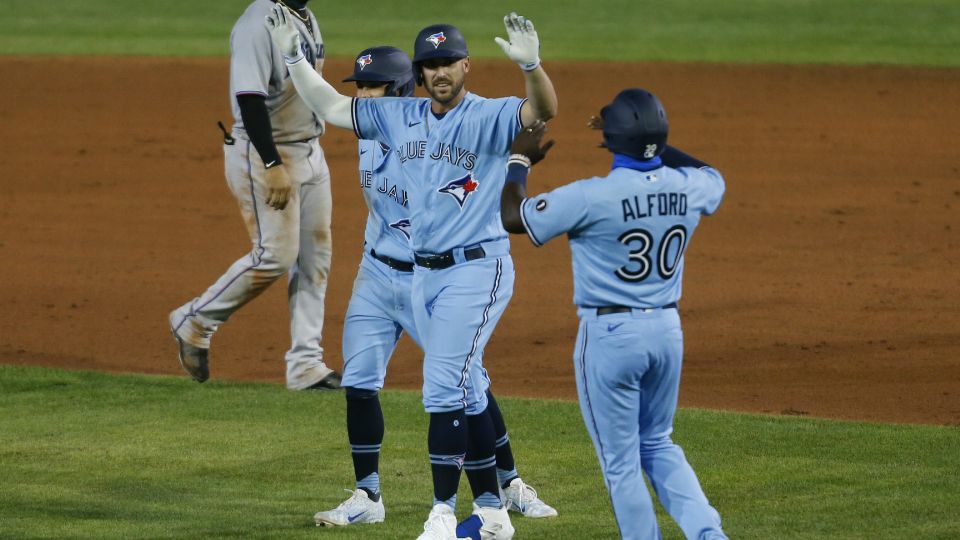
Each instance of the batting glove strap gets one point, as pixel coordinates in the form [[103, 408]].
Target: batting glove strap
[[531, 66], [291, 60]]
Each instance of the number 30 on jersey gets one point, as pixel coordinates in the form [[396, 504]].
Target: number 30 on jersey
[[667, 251]]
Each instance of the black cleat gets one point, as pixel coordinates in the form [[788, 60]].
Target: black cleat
[[194, 360], [330, 382]]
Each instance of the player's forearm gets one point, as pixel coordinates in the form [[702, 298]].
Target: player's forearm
[[256, 122], [512, 196], [323, 99], [674, 158], [541, 96]]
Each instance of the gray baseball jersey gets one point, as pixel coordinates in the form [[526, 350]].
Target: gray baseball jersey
[[257, 67]]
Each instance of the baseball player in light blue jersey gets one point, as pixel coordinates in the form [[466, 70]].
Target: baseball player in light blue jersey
[[628, 232], [276, 169], [380, 310], [452, 149]]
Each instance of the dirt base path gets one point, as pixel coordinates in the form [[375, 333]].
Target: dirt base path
[[826, 285]]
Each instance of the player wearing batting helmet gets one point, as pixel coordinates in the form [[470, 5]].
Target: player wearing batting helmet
[[383, 67], [452, 149], [381, 309], [628, 231]]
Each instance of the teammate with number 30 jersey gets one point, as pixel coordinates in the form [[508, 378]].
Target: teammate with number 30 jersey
[[628, 232]]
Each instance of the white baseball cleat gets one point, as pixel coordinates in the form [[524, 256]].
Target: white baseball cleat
[[495, 523], [519, 497], [357, 509], [441, 524]]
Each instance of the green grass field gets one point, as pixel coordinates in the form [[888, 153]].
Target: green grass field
[[90, 455], [917, 32]]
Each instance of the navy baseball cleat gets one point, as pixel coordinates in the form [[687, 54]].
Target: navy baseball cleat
[[330, 382]]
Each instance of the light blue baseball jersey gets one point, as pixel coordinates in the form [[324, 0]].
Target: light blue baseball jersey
[[628, 230], [454, 165], [385, 192]]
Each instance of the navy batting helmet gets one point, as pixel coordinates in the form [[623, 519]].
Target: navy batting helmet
[[387, 65], [439, 41], [635, 124]]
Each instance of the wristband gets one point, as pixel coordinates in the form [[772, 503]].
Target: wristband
[[519, 159], [517, 173], [291, 60], [531, 66]]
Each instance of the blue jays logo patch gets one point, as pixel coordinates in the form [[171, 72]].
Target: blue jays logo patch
[[403, 226], [461, 188], [454, 460], [365, 61], [437, 39]]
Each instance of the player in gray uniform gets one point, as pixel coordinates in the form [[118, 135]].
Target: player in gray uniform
[[628, 231], [276, 169]]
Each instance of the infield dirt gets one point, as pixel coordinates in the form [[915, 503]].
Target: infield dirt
[[827, 284]]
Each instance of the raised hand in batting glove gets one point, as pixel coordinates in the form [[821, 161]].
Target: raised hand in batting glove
[[522, 44], [284, 33], [278, 185], [527, 143]]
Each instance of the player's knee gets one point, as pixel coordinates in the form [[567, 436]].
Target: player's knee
[[660, 443], [359, 393], [280, 258]]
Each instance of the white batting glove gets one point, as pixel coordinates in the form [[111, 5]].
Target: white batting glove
[[523, 46], [284, 34]]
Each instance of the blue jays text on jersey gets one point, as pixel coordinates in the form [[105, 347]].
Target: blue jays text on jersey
[[451, 154], [384, 190], [453, 166], [384, 186]]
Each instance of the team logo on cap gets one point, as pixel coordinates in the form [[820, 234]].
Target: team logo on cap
[[461, 188], [437, 39], [365, 61], [403, 226]]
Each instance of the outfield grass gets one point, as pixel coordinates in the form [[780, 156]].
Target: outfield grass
[[90, 455], [917, 32]]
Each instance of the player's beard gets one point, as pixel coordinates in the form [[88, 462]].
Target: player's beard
[[455, 88]]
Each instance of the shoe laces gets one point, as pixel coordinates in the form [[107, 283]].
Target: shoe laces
[[524, 490], [354, 500]]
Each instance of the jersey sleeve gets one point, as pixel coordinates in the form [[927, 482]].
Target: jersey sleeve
[[251, 58], [707, 189], [372, 118], [550, 214], [508, 121]]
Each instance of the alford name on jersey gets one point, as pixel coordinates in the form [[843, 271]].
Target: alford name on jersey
[[654, 204]]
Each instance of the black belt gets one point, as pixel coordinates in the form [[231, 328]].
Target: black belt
[[610, 310], [400, 266], [308, 139], [440, 261]]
